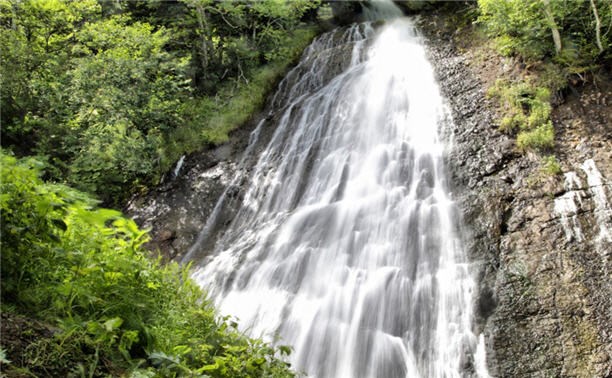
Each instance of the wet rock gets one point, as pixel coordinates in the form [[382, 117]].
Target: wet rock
[[345, 12], [544, 300], [177, 210]]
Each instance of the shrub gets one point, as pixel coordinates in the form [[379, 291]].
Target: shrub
[[542, 137], [551, 166], [82, 268], [525, 108]]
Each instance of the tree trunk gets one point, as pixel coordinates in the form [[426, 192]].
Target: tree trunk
[[553, 25], [204, 28]]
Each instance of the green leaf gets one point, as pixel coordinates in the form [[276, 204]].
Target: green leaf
[[211, 367], [112, 324], [285, 350], [182, 350]]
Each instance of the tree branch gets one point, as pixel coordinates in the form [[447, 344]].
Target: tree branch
[[597, 27]]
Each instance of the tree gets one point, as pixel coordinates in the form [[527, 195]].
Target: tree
[[95, 96], [100, 91], [234, 37], [569, 31], [120, 118], [36, 36], [556, 35], [597, 26]]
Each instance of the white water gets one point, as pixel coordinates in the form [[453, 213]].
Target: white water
[[346, 245]]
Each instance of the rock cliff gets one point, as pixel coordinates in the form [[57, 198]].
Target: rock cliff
[[541, 242]]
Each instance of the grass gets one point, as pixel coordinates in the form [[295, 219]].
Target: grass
[[540, 138], [551, 166]]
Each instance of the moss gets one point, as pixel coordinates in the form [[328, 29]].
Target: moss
[[551, 166]]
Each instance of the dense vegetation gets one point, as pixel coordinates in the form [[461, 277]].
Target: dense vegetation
[[560, 44], [117, 312], [106, 95], [109, 94]]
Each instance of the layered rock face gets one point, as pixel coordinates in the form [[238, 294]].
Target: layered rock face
[[542, 242]]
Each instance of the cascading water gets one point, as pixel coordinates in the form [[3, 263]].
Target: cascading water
[[346, 245]]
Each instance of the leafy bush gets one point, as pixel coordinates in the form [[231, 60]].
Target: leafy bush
[[517, 26], [553, 77], [110, 94], [540, 138], [524, 106], [566, 32], [82, 268], [551, 166]]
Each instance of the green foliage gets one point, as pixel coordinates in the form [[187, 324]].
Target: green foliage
[[557, 41], [553, 77], [518, 27], [211, 119], [540, 138], [82, 268], [232, 38], [525, 108], [95, 95], [526, 28], [122, 115], [111, 93], [551, 166], [36, 36]]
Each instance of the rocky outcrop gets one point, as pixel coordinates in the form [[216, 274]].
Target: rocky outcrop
[[541, 243], [345, 12]]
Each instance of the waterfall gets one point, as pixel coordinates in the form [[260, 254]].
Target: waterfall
[[346, 245]]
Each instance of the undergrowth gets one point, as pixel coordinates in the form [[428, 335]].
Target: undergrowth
[[209, 120], [115, 312], [551, 166], [556, 45]]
